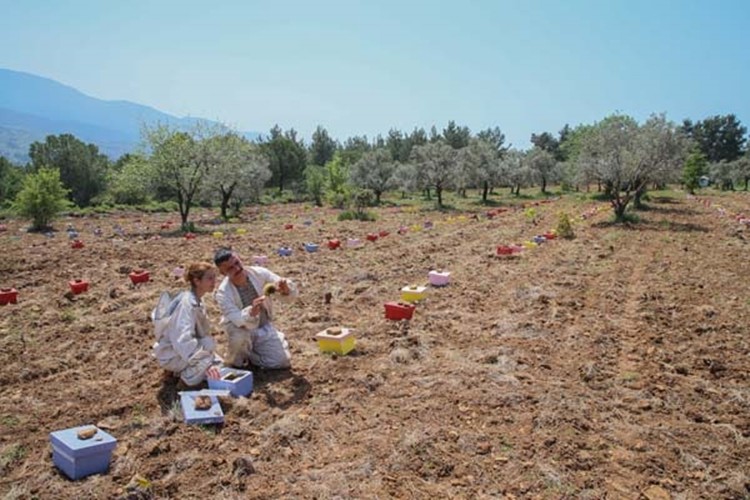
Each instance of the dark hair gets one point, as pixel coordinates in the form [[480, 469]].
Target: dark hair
[[222, 255]]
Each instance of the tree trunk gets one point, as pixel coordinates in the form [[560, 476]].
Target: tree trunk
[[637, 200], [544, 185], [427, 192], [619, 208], [439, 193], [486, 189], [377, 196], [747, 178]]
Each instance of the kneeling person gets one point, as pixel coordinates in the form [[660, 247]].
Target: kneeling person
[[183, 343], [247, 312]]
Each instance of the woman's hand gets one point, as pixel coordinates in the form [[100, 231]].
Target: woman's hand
[[283, 287], [213, 372]]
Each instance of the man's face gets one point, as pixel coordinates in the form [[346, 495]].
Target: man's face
[[231, 267]]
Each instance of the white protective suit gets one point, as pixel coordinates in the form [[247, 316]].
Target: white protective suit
[[263, 346], [183, 344]]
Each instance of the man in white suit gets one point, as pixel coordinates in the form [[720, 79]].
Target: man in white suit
[[244, 297]]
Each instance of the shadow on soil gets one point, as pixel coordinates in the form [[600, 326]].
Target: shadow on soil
[[646, 225], [265, 380]]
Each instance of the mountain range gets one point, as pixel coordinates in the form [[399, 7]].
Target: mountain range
[[33, 107]]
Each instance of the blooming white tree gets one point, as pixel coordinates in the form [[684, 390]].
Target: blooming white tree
[[237, 170]]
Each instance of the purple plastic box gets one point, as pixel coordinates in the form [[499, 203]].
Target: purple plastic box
[[79, 458]]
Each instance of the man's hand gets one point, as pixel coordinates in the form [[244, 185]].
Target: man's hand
[[257, 304], [283, 287]]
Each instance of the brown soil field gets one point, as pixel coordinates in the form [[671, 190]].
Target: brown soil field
[[613, 365]]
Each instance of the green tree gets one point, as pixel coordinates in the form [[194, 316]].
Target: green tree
[[11, 180], [695, 167], [132, 181], [547, 142], [718, 137], [315, 182], [337, 182], [287, 157], [455, 136], [322, 147], [354, 148], [82, 168], [41, 198]]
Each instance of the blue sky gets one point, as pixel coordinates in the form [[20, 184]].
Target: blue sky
[[363, 67]]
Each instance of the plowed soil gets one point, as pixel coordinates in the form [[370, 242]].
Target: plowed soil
[[613, 365]]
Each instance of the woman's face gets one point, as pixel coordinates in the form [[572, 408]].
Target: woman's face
[[205, 284]]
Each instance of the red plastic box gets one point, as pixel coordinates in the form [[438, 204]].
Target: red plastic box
[[8, 296], [76, 244], [372, 237], [334, 244], [139, 276], [78, 286], [399, 310]]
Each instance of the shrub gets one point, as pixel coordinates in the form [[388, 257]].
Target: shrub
[[356, 215], [41, 198], [564, 227]]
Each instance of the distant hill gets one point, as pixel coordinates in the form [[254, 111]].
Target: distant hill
[[32, 107]]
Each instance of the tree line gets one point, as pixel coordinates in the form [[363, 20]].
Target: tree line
[[212, 165]]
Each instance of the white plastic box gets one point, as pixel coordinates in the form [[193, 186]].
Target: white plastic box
[[242, 385]]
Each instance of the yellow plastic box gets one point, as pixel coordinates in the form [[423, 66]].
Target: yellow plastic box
[[336, 340], [413, 293]]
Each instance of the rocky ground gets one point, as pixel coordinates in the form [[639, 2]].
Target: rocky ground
[[614, 365]]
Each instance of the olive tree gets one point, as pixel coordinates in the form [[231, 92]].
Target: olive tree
[[625, 157], [543, 166], [405, 178], [515, 171], [374, 171], [436, 166]]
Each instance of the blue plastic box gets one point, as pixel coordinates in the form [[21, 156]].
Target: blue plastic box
[[79, 458], [213, 415], [240, 386]]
